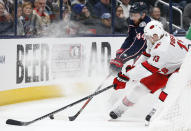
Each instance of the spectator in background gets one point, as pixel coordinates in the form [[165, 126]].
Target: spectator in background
[[40, 11], [73, 2], [121, 25], [155, 14], [19, 17], [67, 3], [105, 26], [90, 5], [8, 5], [19, 11], [66, 10], [36, 4], [102, 7], [50, 9], [150, 3], [53, 9], [29, 24], [81, 14], [187, 16], [126, 7], [6, 21], [23, 1]]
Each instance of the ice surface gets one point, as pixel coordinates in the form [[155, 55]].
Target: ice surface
[[93, 118]]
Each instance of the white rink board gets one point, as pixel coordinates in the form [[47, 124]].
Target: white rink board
[[28, 52], [35, 62]]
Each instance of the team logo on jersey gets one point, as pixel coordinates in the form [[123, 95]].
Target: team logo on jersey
[[142, 24]]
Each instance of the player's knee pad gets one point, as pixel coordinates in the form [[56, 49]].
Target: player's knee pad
[[136, 93], [127, 102], [154, 81]]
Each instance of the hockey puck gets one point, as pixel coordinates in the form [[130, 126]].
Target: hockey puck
[[51, 117]]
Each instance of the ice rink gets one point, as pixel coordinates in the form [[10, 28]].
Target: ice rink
[[91, 119], [94, 117]]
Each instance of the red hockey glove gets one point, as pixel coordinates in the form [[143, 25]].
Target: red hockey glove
[[115, 65], [120, 81]]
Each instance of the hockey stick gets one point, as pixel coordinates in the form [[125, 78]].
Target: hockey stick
[[20, 123], [72, 118]]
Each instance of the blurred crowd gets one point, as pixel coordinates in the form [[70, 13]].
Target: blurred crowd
[[75, 17]]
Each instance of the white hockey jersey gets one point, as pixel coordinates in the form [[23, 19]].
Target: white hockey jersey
[[165, 56], [152, 70]]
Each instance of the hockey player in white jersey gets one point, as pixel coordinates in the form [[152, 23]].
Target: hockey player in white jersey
[[163, 57]]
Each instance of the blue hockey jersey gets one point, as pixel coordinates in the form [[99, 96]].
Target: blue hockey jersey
[[135, 43]]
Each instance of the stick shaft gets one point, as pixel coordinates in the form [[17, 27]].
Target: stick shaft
[[58, 110], [86, 103]]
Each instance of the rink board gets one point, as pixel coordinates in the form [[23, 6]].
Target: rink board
[[30, 66], [29, 94]]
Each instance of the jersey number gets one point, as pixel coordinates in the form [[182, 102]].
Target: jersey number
[[156, 58], [139, 36], [164, 70]]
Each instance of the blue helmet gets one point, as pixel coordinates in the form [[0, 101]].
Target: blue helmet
[[139, 7]]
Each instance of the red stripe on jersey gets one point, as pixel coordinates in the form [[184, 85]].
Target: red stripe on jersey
[[149, 67], [146, 54]]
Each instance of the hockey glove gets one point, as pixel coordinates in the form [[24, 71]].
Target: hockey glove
[[117, 63], [120, 81], [115, 66], [119, 52]]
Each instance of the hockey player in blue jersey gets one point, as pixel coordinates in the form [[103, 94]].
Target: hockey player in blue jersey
[[135, 43]]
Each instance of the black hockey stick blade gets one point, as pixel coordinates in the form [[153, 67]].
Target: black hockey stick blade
[[15, 122], [72, 118]]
